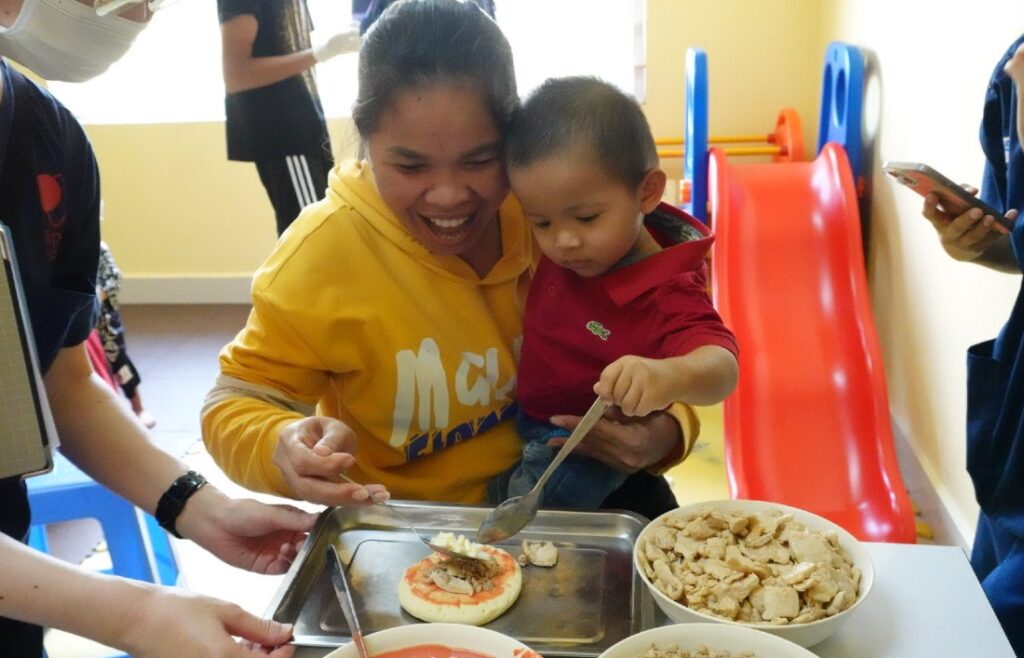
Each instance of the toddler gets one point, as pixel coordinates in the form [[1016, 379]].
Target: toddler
[[618, 306]]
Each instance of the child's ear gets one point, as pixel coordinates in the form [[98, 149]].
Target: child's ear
[[651, 189]]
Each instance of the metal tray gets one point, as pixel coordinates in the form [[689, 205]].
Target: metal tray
[[589, 601]]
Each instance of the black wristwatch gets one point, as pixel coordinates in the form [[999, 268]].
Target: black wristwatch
[[174, 499]]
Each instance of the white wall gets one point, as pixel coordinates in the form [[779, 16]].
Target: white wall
[[934, 59]]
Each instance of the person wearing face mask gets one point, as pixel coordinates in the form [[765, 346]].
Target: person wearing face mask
[[68, 40], [49, 198], [273, 112]]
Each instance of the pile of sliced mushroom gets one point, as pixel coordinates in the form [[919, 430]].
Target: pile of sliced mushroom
[[765, 568]]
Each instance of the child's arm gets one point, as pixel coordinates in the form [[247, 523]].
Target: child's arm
[[639, 385]]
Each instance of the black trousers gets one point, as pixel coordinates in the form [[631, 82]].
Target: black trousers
[[20, 640], [17, 639], [293, 182], [643, 493]]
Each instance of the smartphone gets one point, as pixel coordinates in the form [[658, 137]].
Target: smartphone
[[953, 198]]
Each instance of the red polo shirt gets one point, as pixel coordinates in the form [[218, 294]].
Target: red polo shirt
[[575, 326]]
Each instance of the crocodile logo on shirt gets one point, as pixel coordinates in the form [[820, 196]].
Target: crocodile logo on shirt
[[598, 330]]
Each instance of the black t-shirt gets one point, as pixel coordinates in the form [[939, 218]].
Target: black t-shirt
[[284, 118], [49, 197]]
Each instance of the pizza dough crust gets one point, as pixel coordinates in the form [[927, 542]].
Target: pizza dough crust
[[421, 597]]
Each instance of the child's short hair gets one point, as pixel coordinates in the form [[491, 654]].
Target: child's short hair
[[582, 111]]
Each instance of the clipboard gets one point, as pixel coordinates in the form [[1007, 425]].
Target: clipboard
[[27, 425]]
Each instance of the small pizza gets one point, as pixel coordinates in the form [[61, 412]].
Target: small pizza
[[463, 591]]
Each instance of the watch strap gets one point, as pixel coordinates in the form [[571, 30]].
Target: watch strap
[[172, 502]]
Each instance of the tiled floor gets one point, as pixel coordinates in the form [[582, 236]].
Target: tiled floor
[[175, 349]]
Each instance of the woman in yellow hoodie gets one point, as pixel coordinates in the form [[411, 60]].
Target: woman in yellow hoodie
[[385, 328]]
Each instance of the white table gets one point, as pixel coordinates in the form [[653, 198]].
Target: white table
[[926, 603]]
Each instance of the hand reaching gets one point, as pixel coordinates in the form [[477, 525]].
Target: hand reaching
[[638, 385], [312, 452], [334, 45], [167, 622], [245, 533]]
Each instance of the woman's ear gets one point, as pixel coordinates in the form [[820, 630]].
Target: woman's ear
[[651, 189]]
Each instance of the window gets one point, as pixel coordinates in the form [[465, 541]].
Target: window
[[172, 74], [553, 38]]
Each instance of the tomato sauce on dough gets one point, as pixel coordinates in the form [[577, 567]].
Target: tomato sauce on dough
[[427, 590]]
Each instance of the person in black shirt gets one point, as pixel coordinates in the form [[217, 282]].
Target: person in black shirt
[[273, 111], [49, 198]]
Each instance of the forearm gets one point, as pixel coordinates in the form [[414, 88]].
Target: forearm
[[703, 377], [245, 73], [104, 438], [42, 590], [241, 434]]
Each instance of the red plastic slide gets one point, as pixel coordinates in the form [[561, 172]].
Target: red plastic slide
[[808, 424]]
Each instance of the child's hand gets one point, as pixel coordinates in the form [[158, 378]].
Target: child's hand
[[638, 385]]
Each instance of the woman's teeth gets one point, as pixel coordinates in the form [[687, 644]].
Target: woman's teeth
[[447, 223]]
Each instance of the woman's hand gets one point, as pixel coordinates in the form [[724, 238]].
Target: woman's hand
[[245, 533], [968, 236], [167, 622], [312, 453], [626, 444]]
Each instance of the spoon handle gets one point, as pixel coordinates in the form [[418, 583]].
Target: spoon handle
[[586, 424], [343, 592]]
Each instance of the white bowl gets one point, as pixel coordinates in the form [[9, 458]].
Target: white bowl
[[805, 634], [456, 636], [718, 637]]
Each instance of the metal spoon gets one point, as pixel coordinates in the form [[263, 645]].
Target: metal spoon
[[511, 516], [406, 521]]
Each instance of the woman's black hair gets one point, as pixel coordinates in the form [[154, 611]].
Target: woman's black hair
[[425, 42], [564, 114]]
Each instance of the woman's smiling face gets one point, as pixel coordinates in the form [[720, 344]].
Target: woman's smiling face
[[436, 158]]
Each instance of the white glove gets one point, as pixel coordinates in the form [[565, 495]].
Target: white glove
[[334, 45]]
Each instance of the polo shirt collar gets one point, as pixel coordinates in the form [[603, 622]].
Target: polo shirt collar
[[631, 281]]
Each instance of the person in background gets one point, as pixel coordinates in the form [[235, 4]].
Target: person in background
[[274, 117], [995, 368], [49, 198], [386, 323], [582, 162], [111, 331]]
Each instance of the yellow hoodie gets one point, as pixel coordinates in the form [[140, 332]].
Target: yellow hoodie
[[413, 351]]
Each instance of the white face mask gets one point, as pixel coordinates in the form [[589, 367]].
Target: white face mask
[[66, 40]]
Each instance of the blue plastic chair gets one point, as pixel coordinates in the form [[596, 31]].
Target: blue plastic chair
[[139, 547]]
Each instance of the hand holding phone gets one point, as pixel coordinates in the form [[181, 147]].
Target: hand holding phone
[[953, 198]]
